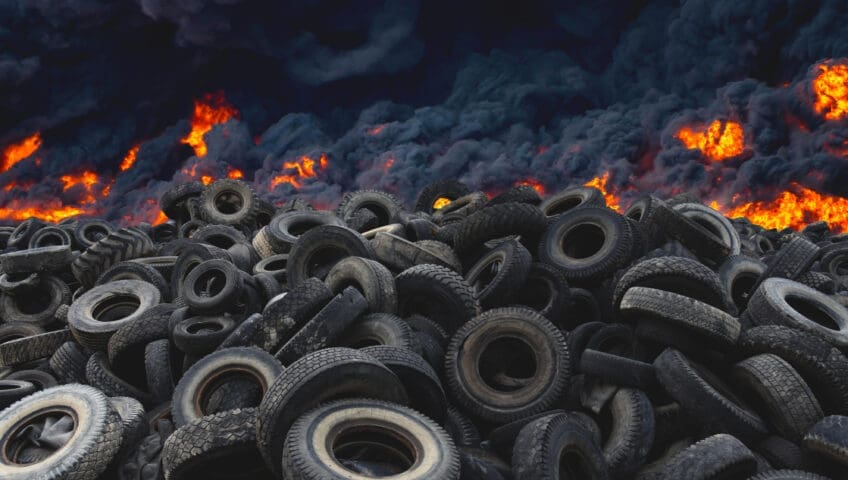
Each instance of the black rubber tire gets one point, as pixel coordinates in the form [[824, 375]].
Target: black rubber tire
[[307, 454], [398, 253], [89, 231], [222, 445], [780, 452], [499, 273], [118, 246], [372, 279], [556, 447], [437, 293], [221, 236], [583, 308], [326, 327], [20, 236], [36, 304], [794, 258], [69, 361], [701, 241], [674, 274], [159, 371], [447, 188], [642, 211], [461, 429], [212, 287], [378, 329], [173, 201], [274, 265], [460, 208], [827, 439], [13, 390], [788, 475], [320, 248], [631, 432], [192, 255], [202, 334], [419, 379], [99, 374], [718, 456], [97, 438], [482, 464], [516, 194], [285, 314], [833, 259], [502, 439], [135, 428], [782, 396], [422, 324], [739, 274], [132, 270], [229, 202], [819, 281], [14, 284], [713, 221], [332, 373], [571, 198], [498, 221], [39, 378], [100, 312], [191, 395], [780, 301], [164, 264], [618, 370], [587, 244], [15, 330], [286, 228], [384, 205], [127, 344], [42, 259], [27, 349], [474, 389], [363, 220], [823, 367], [545, 290], [705, 397], [714, 327]]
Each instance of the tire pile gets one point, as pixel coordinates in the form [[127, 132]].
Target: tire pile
[[486, 339]]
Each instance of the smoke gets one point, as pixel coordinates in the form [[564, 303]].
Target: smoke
[[399, 93]]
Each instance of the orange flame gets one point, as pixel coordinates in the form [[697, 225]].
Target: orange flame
[[16, 152], [305, 168], [208, 112], [441, 202], [160, 218], [388, 164], [234, 173], [377, 129], [129, 160], [719, 141], [50, 211], [613, 200], [532, 182], [831, 89], [793, 209], [87, 179]]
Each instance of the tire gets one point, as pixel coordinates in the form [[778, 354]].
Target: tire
[[69, 361], [173, 201], [191, 395], [718, 456], [16, 330], [785, 399], [97, 438], [780, 453], [38, 304], [43, 259], [99, 374], [555, 447], [398, 254], [704, 396], [134, 424], [39, 378], [373, 280], [545, 290], [363, 220], [584, 308], [437, 293], [418, 229], [460, 208], [132, 270], [499, 221], [118, 246], [13, 390], [427, 449], [461, 429], [714, 327], [188, 259], [587, 244], [822, 366], [448, 189], [127, 344], [793, 259], [571, 198], [739, 274], [285, 314], [632, 432], [419, 379], [702, 242], [212, 287], [618, 370], [521, 335], [499, 273], [482, 464], [379, 329], [15, 284], [787, 475], [332, 373], [674, 274], [642, 211], [422, 324], [285, 229], [326, 327], [517, 194], [780, 301], [442, 251], [384, 205], [159, 371], [202, 334], [20, 236], [318, 250], [101, 311], [163, 264], [827, 439], [221, 236], [502, 439], [274, 265], [833, 259], [229, 202], [819, 281], [27, 349], [218, 445], [713, 221]]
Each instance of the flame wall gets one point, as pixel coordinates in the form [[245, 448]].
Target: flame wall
[[393, 94]]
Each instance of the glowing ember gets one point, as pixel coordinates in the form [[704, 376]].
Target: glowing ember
[[208, 112], [129, 160], [793, 208], [16, 152], [719, 141], [304, 168], [441, 202], [377, 129], [160, 218], [600, 183], [206, 179], [388, 164], [537, 185], [234, 173], [50, 211], [87, 179], [831, 89]]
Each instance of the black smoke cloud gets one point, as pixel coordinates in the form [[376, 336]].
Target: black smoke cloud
[[488, 92]]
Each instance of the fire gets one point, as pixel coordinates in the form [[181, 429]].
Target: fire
[[129, 160], [441, 202], [304, 167], [87, 179], [613, 201], [206, 179], [16, 152], [208, 112], [793, 208], [388, 164], [234, 173], [50, 211], [377, 129], [160, 218], [719, 141], [831, 89], [532, 182]]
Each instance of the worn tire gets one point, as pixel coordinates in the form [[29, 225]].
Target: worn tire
[[118, 246], [437, 293], [318, 250], [372, 279], [100, 312], [499, 273]]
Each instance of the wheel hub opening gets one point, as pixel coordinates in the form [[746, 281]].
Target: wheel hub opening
[[115, 308], [276, 266], [583, 241], [563, 205], [507, 364], [95, 233], [204, 327], [39, 437], [742, 288], [573, 465], [220, 241], [50, 240], [299, 228], [812, 311], [210, 283], [487, 275], [33, 300], [373, 445], [229, 390], [229, 202], [324, 258], [635, 214]]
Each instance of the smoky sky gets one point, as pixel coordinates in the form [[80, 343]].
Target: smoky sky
[[489, 92]]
